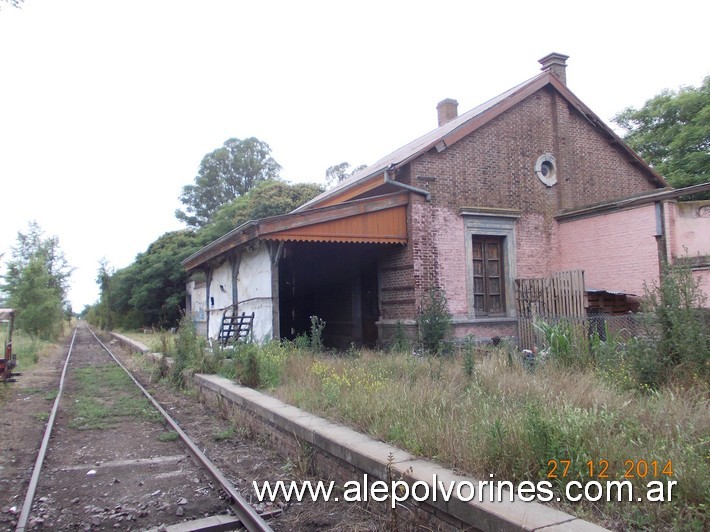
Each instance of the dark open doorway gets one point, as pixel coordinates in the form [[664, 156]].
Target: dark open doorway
[[336, 282]]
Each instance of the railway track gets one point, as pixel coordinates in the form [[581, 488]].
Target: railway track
[[140, 471]]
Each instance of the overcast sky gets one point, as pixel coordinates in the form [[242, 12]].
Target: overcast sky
[[107, 107]]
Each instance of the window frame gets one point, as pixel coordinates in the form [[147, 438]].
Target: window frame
[[485, 288], [490, 222]]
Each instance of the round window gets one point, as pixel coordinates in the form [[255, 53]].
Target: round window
[[546, 170]]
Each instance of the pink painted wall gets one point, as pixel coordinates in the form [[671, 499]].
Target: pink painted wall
[[617, 251], [533, 242], [449, 241], [690, 228]]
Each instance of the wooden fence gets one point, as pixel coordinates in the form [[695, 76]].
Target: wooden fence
[[559, 296]]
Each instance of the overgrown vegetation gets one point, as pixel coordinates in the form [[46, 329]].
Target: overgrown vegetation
[[488, 417], [614, 397], [28, 349], [669, 341], [105, 395], [434, 322], [250, 364], [677, 328]]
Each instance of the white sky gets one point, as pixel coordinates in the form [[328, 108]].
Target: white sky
[[107, 107]]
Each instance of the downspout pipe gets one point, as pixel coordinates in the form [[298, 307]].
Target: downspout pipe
[[661, 237], [389, 179]]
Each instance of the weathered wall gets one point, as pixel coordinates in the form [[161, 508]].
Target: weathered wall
[[690, 233], [617, 250], [494, 168], [254, 290], [689, 230], [220, 296], [198, 294]]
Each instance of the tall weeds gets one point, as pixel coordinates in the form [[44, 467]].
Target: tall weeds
[[511, 422]]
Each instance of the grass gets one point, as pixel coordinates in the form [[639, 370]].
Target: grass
[[512, 422], [41, 416], [106, 395], [152, 340], [28, 349], [224, 434], [485, 412], [168, 436]]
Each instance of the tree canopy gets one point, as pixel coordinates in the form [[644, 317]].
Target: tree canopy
[[225, 174], [672, 133], [340, 172], [268, 198], [151, 291], [36, 282]]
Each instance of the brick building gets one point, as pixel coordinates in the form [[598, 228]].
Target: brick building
[[498, 193]]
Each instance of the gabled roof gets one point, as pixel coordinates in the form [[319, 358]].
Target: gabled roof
[[463, 125]]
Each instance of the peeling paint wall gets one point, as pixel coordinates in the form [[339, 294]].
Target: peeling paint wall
[[689, 235], [220, 296], [690, 222], [197, 293], [618, 250], [254, 290]]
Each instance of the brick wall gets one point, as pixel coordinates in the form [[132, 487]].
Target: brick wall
[[494, 167]]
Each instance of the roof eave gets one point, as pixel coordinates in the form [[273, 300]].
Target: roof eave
[[634, 201], [208, 252], [598, 122], [265, 226]]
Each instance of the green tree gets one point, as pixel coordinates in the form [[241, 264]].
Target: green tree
[[672, 133], [340, 172], [36, 283], [151, 291], [268, 198], [225, 174], [103, 279]]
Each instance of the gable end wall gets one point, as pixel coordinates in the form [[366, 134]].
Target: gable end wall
[[494, 167]]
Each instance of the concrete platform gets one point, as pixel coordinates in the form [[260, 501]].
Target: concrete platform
[[381, 461]]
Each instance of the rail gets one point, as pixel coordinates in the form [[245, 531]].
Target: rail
[[248, 516]]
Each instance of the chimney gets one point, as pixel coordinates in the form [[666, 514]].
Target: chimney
[[557, 64], [448, 110]]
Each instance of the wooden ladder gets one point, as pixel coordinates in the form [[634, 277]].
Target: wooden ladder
[[235, 327]]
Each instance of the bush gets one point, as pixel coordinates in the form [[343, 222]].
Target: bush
[[565, 343], [188, 351], [317, 326], [676, 329], [434, 321]]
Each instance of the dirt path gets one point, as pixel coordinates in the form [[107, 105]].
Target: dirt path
[[25, 407]]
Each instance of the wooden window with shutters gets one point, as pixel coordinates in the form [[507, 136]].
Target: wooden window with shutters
[[488, 279]]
